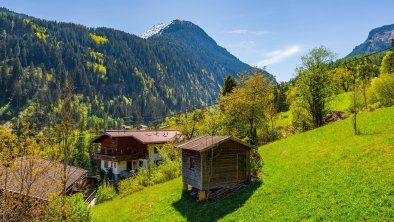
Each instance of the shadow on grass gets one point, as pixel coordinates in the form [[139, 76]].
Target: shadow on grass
[[205, 211], [368, 133]]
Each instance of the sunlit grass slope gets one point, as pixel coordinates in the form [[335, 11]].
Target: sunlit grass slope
[[324, 174], [341, 102]]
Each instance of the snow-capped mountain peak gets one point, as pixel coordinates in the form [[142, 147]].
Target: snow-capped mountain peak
[[154, 30]]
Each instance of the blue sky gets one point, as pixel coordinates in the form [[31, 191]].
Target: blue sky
[[261, 33]]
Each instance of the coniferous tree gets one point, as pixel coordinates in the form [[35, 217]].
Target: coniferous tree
[[4, 78], [16, 69], [229, 85]]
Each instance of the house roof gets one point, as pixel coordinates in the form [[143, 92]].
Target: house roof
[[143, 136], [45, 180], [202, 143]]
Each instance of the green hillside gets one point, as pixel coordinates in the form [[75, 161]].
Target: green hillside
[[116, 74], [323, 174]]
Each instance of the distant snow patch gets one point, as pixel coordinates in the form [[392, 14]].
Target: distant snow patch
[[154, 30]]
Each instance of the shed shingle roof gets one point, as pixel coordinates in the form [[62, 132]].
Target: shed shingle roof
[[205, 142]]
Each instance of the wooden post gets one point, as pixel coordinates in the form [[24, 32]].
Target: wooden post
[[202, 195], [185, 187]]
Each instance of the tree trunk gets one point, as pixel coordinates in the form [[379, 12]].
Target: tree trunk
[[365, 96], [355, 111], [272, 127]]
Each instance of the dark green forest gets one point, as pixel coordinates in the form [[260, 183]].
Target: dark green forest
[[118, 77]]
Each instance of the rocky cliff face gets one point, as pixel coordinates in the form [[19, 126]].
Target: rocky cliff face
[[378, 39]]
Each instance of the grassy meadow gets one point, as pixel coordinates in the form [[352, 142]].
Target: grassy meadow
[[341, 102], [324, 174]]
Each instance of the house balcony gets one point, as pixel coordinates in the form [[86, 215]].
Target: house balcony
[[115, 157]]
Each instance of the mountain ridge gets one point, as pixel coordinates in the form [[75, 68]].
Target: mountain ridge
[[378, 39]]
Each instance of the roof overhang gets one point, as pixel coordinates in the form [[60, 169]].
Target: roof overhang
[[225, 139], [99, 138]]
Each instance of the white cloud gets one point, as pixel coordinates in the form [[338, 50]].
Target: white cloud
[[278, 56]]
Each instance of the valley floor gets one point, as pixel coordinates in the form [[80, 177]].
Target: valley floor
[[324, 174]]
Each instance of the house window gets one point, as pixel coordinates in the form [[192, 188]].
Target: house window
[[141, 163], [191, 163], [105, 164], [114, 165]]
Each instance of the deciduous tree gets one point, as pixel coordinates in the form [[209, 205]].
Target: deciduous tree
[[343, 78], [314, 83], [365, 72], [388, 63], [248, 105]]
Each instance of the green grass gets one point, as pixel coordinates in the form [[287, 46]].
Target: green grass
[[341, 102], [324, 174], [283, 119]]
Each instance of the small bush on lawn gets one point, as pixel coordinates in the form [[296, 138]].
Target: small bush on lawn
[[75, 209], [383, 89], [105, 192]]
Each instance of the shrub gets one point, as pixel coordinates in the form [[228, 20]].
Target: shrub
[[255, 164], [105, 192], [75, 209], [129, 186], [383, 89], [170, 168], [301, 119], [78, 208]]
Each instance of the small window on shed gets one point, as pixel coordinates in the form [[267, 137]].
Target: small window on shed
[[155, 150], [191, 163]]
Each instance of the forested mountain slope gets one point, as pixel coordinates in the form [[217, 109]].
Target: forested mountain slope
[[115, 74]]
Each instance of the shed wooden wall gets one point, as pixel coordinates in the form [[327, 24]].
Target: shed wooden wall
[[228, 165], [191, 177]]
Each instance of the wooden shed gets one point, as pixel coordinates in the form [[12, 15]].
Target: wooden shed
[[212, 162]]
